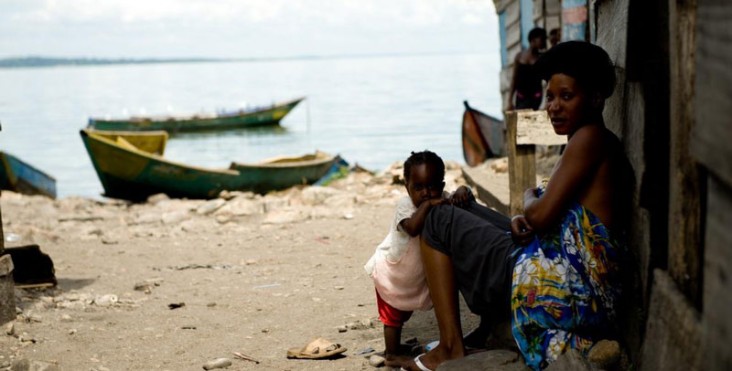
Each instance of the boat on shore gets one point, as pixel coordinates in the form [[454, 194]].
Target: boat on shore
[[258, 116], [484, 136], [131, 166], [21, 177]]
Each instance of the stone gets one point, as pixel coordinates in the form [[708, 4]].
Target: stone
[[28, 365], [106, 300], [285, 217], [174, 217], [377, 360], [492, 360], [7, 289], [210, 206], [217, 363], [157, 198], [571, 360], [10, 329], [342, 328], [605, 354]]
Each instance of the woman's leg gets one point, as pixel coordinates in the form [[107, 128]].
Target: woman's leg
[[443, 291]]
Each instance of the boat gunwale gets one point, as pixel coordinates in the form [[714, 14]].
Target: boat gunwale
[[194, 117], [4, 153], [91, 133]]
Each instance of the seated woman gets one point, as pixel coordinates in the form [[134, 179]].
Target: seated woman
[[557, 272]]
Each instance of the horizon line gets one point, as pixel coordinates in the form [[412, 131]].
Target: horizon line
[[44, 61]]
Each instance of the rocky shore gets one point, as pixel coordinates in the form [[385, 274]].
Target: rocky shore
[[174, 284]]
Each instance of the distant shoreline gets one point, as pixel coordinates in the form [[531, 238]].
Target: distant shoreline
[[45, 62]]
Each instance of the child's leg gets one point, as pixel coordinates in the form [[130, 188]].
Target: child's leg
[[393, 320]]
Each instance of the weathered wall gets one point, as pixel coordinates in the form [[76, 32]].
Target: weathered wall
[[710, 146]]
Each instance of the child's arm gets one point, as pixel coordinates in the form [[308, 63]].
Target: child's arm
[[413, 225]]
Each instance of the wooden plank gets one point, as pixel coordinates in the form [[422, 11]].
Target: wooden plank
[[534, 127], [521, 165], [716, 320], [491, 187], [685, 209], [512, 12], [513, 36], [712, 133]]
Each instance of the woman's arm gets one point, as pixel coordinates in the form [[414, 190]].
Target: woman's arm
[[582, 156]]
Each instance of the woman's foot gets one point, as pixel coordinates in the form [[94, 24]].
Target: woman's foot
[[397, 360], [432, 359]]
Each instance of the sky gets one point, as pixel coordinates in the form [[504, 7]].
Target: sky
[[244, 28]]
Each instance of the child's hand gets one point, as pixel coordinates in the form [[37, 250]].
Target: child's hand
[[437, 201], [521, 231], [461, 197]]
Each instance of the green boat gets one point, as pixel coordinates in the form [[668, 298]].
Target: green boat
[[19, 176], [259, 116], [131, 166]]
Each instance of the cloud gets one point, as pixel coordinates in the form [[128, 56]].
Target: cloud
[[242, 28]]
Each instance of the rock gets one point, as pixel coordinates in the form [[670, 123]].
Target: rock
[[10, 329], [377, 360], [605, 354], [109, 241], [148, 284], [66, 318], [285, 217], [241, 206], [217, 363], [210, 206], [174, 217], [360, 325], [106, 300], [342, 328], [72, 331], [27, 365], [156, 198], [492, 360], [571, 360], [317, 195]]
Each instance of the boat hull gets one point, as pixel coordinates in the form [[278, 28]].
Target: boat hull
[[483, 136], [129, 173], [21, 177], [254, 118]]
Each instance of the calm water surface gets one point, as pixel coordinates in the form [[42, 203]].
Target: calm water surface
[[372, 111]]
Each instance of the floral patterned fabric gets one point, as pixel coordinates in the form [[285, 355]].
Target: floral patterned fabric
[[564, 287]]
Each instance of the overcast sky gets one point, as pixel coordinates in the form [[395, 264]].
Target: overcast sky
[[244, 28]]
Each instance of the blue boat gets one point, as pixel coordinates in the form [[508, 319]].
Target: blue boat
[[20, 177]]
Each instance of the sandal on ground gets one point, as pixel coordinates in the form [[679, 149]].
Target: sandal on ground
[[316, 349]]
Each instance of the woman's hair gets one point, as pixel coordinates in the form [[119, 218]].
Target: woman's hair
[[587, 63], [423, 158]]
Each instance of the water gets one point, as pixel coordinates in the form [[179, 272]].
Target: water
[[372, 110]]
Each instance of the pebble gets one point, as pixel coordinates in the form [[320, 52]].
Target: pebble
[[377, 360], [66, 318], [72, 331], [106, 300], [10, 329], [342, 328], [217, 363]]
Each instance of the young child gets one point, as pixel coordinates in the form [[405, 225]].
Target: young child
[[396, 266]]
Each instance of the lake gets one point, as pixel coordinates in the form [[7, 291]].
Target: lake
[[371, 110]]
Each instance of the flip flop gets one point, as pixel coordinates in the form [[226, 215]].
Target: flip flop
[[418, 363], [316, 349]]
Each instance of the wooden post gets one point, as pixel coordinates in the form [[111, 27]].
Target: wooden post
[[521, 165]]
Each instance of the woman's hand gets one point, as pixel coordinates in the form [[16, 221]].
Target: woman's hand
[[461, 197], [521, 231]]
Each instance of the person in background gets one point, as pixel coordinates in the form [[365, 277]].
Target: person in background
[[526, 85], [555, 37]]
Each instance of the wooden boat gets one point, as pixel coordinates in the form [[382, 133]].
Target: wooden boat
[[259, 116], [484, 136], [130, 166], [20, 177]]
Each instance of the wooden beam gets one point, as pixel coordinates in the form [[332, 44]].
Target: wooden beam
[[521, 165]]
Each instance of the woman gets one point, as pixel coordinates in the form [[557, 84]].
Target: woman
[[557, 272]]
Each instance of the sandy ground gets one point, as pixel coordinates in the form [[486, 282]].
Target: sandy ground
[[258, 275]]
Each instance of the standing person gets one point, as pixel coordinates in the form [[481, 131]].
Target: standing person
[[560, 267], [555, 37], [526, 82]]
